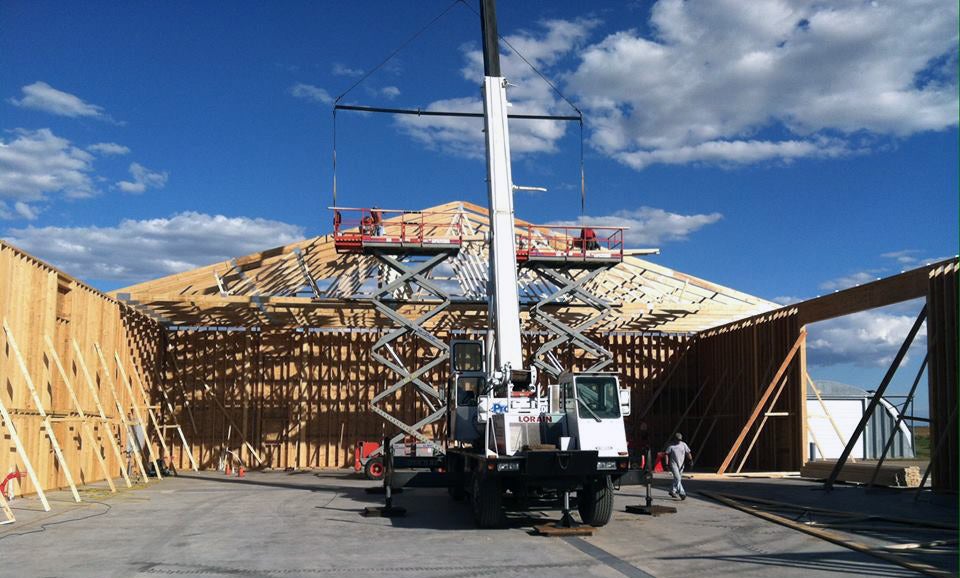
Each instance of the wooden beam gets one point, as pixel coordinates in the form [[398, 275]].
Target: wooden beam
[[105, 423], [85, 426], [38, 403], [135, 445], [762, 402], [909, 285], [136, 412], [832, 537], [169, 404]]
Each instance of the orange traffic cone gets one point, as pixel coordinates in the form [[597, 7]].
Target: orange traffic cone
[[228, 470], [240, 471]]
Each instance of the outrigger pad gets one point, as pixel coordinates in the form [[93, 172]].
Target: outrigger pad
[[651, 510], [556, 529], [384, 512]]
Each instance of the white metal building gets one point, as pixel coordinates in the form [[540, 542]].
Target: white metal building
[[846, 405]]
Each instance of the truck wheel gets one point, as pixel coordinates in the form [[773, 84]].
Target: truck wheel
[[595, 502], [487, 500], [373, 469]]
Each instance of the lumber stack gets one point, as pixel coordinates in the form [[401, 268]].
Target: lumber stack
[[892, 473]]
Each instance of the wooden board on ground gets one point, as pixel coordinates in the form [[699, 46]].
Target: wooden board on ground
[[892, 473], [653, 510], [555, 530]]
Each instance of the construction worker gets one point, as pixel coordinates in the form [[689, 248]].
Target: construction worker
[[677, 454], [366, 226], [587, 241], [377, 217]]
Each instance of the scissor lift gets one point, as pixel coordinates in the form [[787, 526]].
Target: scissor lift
[[407, 245], [567, 259]]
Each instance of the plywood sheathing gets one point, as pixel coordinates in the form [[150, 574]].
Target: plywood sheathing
[[41, 303]]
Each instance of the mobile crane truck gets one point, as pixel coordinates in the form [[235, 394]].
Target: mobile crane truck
[[508, 444]]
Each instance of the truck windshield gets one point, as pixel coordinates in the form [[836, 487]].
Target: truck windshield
[[599, 395]]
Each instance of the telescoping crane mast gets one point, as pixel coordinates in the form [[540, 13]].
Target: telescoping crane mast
[[503, 297]]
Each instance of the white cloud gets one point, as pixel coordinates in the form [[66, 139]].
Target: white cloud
[[140, 250], [852, 280], [42, 96], [311, 93], [732, 153], [341, 70], [109, 148], [867, 339], [787, 299], [650, 226], [38, 162], [143, 179], [530, 95], [26, 211], [391, 92], [709, 76]]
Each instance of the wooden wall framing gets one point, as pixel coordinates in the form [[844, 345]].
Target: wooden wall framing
[[293, 398], [38, 302]]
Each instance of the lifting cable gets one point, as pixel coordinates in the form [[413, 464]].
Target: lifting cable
[[420, 112]]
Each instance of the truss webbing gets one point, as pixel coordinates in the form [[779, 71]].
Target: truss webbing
[[569, 284], [400, 276]]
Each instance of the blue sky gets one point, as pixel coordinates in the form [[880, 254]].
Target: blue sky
[[782, 149]]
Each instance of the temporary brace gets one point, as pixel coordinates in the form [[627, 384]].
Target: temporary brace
[[410, 272]]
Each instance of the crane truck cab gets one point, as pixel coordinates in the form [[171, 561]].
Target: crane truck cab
[[593, 407], [509, 446]]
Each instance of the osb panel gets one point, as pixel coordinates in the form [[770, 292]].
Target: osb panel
[[37, 301]]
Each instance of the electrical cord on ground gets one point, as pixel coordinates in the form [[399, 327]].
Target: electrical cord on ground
[[43, 527]]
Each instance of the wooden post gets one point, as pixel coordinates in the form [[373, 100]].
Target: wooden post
[[6, 511], [85, 426], [22, 452], [138, 415], [135, 445], [169, 404], [826, 411], [762, 402], [153, 416], [103, 415], [43, 414], [232, 423], [763, 422]]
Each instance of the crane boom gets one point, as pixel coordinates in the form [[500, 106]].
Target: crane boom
[[504, 308]]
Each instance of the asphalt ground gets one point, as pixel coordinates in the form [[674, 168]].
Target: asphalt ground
[[310, 524]]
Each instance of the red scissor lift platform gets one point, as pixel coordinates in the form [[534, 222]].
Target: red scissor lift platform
[[581, 244], [362, 230]]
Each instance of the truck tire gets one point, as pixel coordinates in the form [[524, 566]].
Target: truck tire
[[487, 502], [374, 469], [595, 502]]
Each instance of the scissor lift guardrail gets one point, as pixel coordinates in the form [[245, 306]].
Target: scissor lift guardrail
[[568, 258]]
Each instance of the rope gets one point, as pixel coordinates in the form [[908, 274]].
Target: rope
[[583, 178], [397, 50], [367, 75], [583, 181]]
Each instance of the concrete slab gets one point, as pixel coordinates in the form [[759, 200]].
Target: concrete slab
[[310, 524]]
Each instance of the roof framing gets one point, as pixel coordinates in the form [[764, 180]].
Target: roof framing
[[308, 284]]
